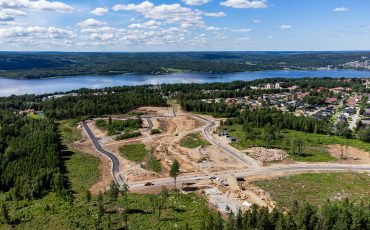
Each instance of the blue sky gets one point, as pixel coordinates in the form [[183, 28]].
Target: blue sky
[[184, 25]]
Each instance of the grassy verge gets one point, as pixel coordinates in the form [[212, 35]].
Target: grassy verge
[[82, 168], [83, 171], [135, 152], [314, 144], [317, 188], [69, 132], [193, 140]]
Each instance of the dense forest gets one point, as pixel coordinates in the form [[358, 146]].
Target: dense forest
[[260, 118], [30, 156], [342, 215], [216, 109], [48, 64], [116, 100]]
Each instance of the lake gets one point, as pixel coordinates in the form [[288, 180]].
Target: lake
[[40, 86]]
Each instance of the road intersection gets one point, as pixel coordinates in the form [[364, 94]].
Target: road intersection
[[253, 168]]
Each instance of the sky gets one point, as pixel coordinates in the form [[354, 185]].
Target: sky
[[184, 25]]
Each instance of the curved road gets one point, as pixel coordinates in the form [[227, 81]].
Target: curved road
[[253, 170], [244, 158], [115, 162]]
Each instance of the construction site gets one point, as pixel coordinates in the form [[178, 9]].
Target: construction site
[[215, 169]]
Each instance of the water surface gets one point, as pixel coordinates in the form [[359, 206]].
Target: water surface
[[39, 86]]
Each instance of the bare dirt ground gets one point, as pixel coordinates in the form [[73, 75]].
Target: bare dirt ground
[[104, 167], [156, 111], [266, 155], [351, 155], [164, 146]]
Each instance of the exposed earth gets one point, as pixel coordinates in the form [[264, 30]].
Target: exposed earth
[[222, 171]]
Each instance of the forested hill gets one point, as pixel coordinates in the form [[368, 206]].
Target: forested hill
[[30, 156], [50, 64]]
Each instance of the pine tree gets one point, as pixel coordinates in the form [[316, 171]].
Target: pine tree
[[124, 191], [175, 171], [5, 213], [113, 191], [100, 208], [88, 196]]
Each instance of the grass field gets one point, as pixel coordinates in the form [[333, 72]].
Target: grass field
[[82, 171], [81, 167], [138, 153], [317, 188], [69, 132], [314, 144], [153, 164], [134, 152], [193, 140]]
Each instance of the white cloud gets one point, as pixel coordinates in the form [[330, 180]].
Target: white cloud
[[36, 5], [7, 15], [341, 9], [91, 23], [213, 28], [108, 36], [37, 36], [152, 24], [271, 36], [216, 15], [257, 21], [196, 2], [242, 30], [285, 27], [255, 4], [100, 11], [170, 13]]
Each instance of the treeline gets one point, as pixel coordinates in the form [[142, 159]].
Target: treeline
[[260, 118], [30, 157], [51, 65], [216, 109], [242, 88], [43, 65], [89, 102], [336, 215], [97, 105]]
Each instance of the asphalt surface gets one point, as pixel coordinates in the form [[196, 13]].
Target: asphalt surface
[[253, 169], [247, 160], [265, 171], [115, 162]]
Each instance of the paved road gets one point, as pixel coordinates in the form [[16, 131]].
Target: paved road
[[355, 117], [115, 162], [244, 158], [251, 171], [283, 170]]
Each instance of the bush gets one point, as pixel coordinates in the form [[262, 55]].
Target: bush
[[127, 135], [155, 131]]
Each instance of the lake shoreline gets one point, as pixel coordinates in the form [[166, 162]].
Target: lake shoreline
[[10, 86], [174, 73]]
